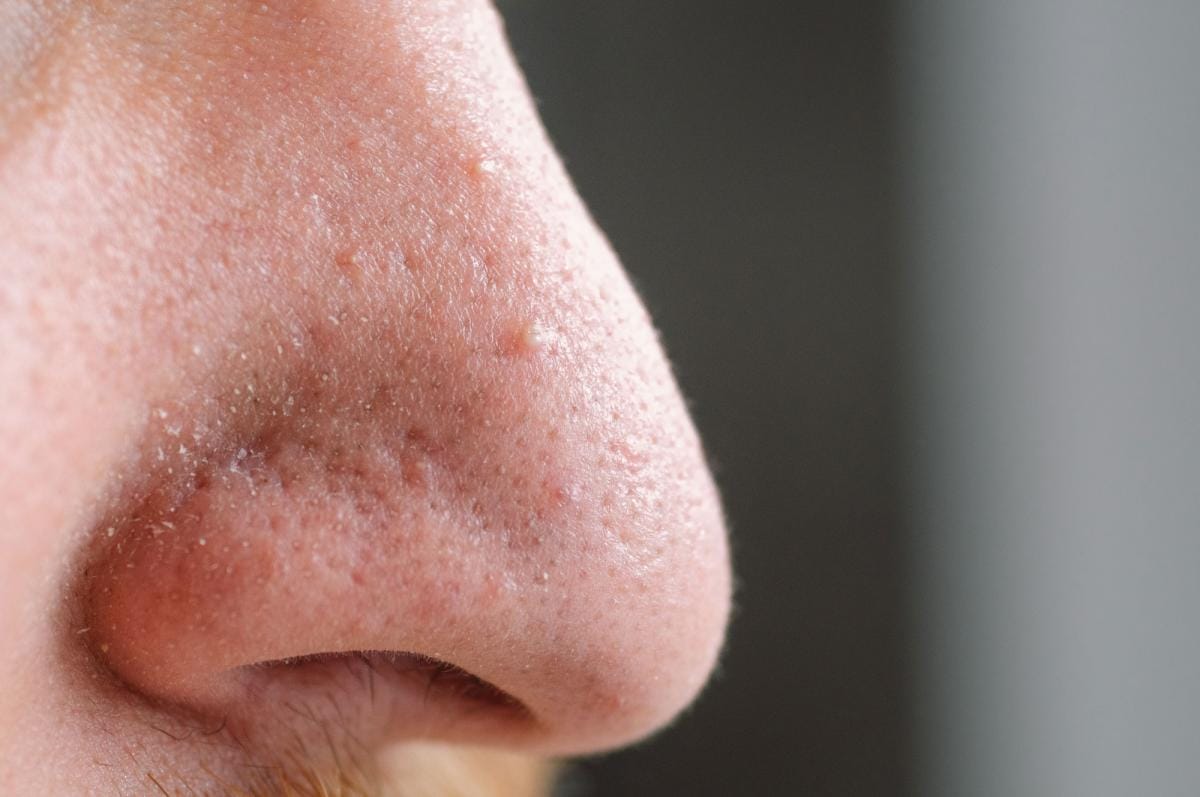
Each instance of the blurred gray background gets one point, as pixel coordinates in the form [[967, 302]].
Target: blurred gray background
[[930, 274]]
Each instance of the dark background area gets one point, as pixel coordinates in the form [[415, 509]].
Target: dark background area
[[739, 157]]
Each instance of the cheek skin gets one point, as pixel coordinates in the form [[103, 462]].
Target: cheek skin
[[357, 373]]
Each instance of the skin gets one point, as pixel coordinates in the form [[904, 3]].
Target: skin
[[334, 438]]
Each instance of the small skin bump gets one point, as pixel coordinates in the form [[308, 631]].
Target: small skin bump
[[555, 495], [523, 339], [481, 168], [350, 262]]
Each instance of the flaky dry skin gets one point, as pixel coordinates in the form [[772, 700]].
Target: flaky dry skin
[[330, 421]]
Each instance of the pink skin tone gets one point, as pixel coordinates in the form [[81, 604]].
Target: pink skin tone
[[309, 347]]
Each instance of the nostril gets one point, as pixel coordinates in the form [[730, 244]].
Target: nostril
[[378, 674]]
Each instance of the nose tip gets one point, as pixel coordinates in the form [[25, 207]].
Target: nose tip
[[458, 451]]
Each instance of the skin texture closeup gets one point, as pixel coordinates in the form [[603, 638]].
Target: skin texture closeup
[[336, 448]]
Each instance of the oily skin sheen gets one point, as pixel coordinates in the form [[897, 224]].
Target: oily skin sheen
[[337, 451]]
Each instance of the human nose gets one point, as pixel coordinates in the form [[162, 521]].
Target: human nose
[[463, 457]]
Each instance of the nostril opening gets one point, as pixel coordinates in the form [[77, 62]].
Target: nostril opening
[[439, 683]]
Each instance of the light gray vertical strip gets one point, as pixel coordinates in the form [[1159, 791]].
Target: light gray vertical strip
[[1053, 167]]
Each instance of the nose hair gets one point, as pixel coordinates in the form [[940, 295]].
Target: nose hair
[[462, 450]]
